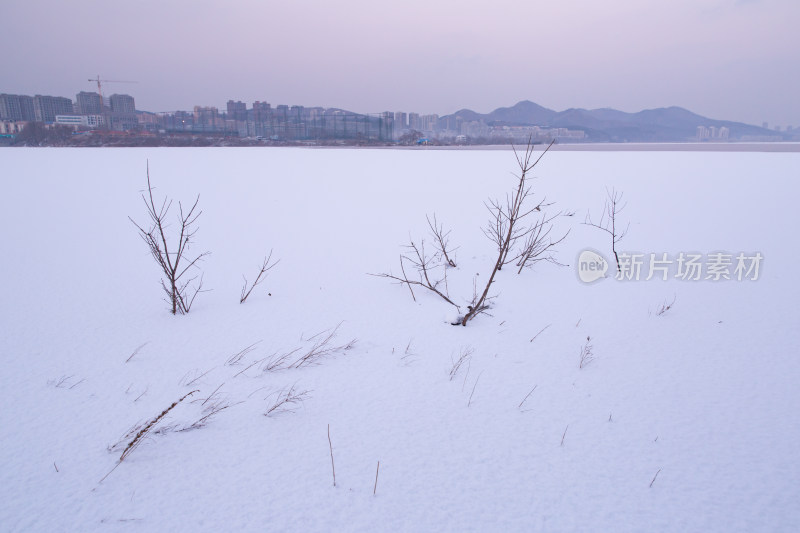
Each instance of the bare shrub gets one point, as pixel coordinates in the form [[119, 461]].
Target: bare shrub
[[173, 260], [508, 224], [265, 267], [520, 231], [608, 220]]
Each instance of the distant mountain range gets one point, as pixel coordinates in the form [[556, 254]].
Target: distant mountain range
[[666, 124]]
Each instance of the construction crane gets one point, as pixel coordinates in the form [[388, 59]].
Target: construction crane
[[100, 92], [100, 82]]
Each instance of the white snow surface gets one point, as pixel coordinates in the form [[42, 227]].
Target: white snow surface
[[683, 422]]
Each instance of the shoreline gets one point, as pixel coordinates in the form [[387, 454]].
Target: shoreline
[[626, 147], [774, 147]]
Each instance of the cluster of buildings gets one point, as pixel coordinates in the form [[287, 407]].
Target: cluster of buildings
[[89, 110], [712, 133], [118, 113], [296, 122]]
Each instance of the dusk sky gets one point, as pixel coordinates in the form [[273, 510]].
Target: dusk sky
[[725, 59]]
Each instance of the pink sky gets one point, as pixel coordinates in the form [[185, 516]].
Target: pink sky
[[726, 59]]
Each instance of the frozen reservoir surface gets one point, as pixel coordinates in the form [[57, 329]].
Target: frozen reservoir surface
[[681, 420]]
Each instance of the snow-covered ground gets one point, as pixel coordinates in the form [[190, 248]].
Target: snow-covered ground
[[686, 421]]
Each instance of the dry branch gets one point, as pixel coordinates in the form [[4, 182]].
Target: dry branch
[[540, 332], [286, 401], [526, 397], [142, 431], [417, 257], [586, 355], [442, 240], [321, 348], [330, 445], [664, 307], [265, 267], [136, 351], [236, 358], [375, 488], [464, 356], [654, 478]]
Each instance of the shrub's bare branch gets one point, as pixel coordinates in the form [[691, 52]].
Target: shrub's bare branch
[[265, 267], [442, 239]]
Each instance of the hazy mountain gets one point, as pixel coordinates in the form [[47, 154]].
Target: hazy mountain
[[663, 124]]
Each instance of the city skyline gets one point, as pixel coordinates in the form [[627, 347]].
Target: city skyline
[[729, 59]]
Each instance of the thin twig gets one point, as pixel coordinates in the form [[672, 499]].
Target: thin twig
[[236, 358], [527, 396], [136, 351], [265, 267], [330, 445], [249, 367], [198, 377], [142, 394], [654, 478], [473, 388], [375, 488], [212, 394], [540, 332]]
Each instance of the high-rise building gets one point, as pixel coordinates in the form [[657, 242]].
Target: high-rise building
[[122, 103], [88, 103], [414, 122], [261, 111], [47, 107], [237, 110], [429, 123], [207, 117], [16, 107], [400, 120]]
